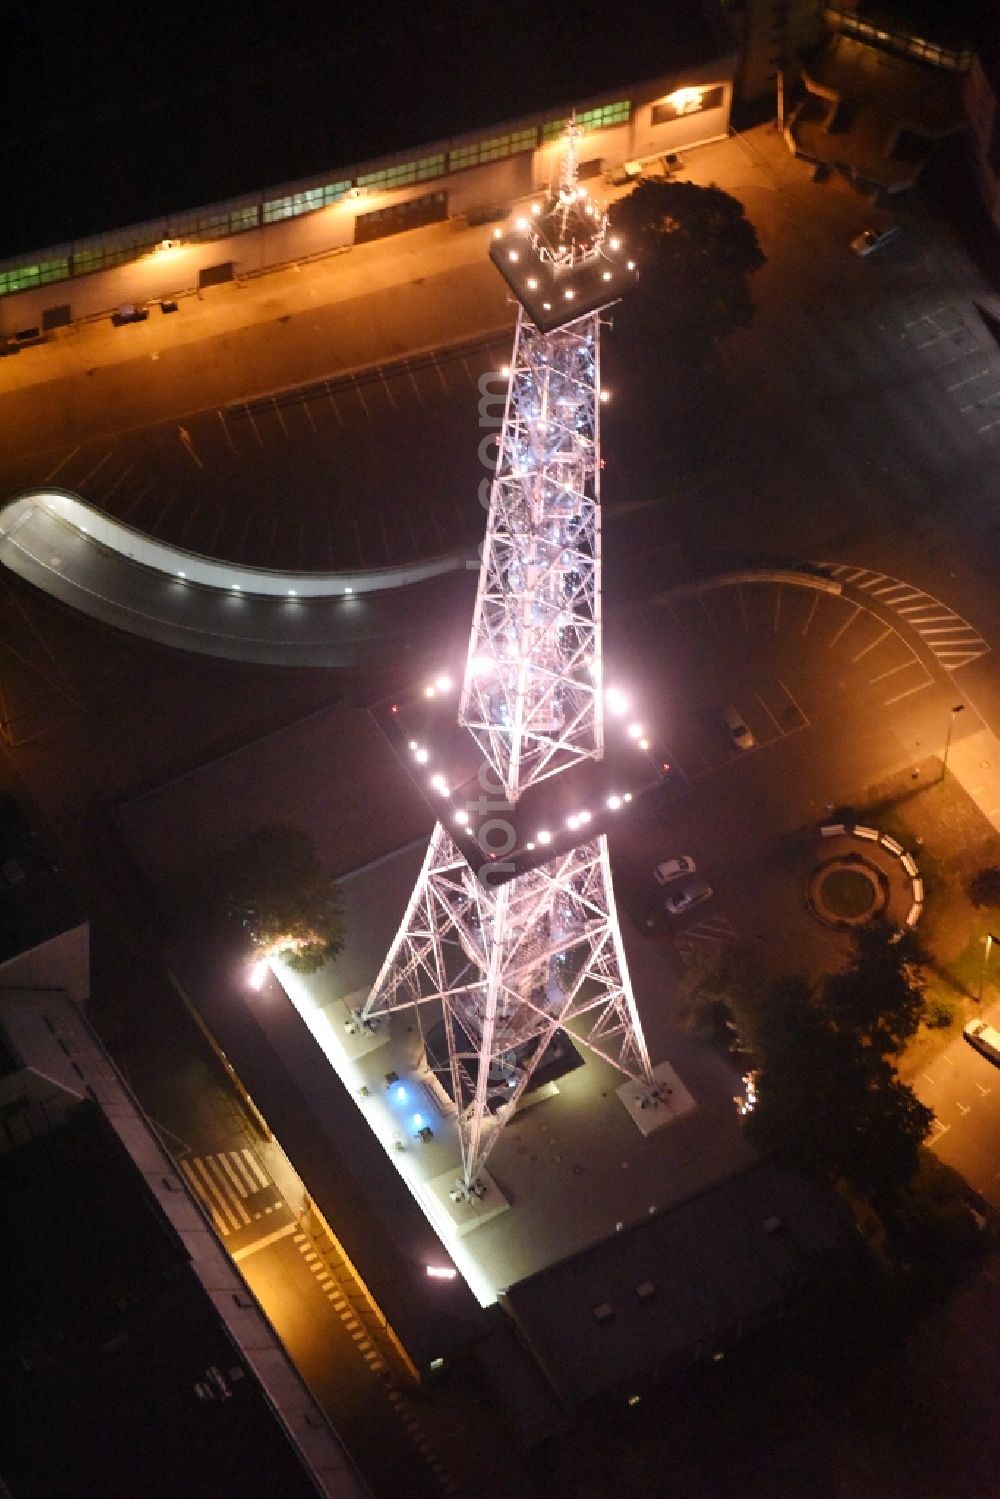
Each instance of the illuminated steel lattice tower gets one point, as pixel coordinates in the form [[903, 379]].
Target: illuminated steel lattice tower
[[510, 964]]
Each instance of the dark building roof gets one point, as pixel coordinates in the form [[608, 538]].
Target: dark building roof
[[986, 40], [641, 1303], [117, 1377], [35, 903], [152, 109]]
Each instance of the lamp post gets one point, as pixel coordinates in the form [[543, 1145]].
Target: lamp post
[[947, 743], [991, 937]]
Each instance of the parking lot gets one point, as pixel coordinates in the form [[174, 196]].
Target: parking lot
[[838, 692], [328, 476]]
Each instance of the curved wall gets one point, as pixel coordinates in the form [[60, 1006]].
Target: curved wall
[[107, 570]]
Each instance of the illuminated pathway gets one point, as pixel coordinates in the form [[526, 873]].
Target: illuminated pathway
[[117, 575]]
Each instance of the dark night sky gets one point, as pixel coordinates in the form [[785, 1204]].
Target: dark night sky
[[117, 113]]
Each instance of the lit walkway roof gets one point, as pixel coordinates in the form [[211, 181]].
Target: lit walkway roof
[[123, 578]]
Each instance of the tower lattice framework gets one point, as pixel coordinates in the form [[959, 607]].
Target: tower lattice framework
[[508, 965]]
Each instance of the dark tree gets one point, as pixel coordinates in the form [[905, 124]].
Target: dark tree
[[696, 250], [984, 888], [274, 885], [828, 1096], [826, 1106], [879, 998]]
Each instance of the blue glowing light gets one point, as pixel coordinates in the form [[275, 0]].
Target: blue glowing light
[[418, 1120], [401, 1092]]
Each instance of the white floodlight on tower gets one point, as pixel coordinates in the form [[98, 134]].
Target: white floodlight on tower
[[504, 970]]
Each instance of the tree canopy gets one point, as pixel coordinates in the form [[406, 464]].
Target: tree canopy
[[273, 883], [984, 888], [696, 250], [828, 1096], [879, 998]]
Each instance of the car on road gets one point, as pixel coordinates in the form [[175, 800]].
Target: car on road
[[870, 240], [686, 897], [985, 1039], [672, 869], [740, 735]]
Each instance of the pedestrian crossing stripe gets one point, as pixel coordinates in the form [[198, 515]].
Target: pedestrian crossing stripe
[[951, 639], [228, 1186]]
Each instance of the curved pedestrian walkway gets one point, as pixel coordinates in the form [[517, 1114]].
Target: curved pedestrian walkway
[[117, 575]]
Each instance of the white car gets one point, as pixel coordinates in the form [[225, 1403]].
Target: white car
[[672, 869], [686, 897], [985, 1039], [740, 736], [870, 240]]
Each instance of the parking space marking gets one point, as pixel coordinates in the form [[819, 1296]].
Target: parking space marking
[[983, 401], [68, 458], [714, 931], [793, 701], [967, 379], [682, 626], [254, 428], [877, 641], [385, 387], [767, 710], [812, 611], [922, 687], [225, 427], [138, 498], [113, 488], [845, 626], [903, 666], [92, 472]]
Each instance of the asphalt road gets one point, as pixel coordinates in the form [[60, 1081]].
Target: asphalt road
[[330, 1347]]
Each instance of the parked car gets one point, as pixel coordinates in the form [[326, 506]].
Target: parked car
[[686, 896], [985, 1039], [740, 736], [672, 869], [870, 240]]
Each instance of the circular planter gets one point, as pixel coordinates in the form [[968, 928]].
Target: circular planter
[[847, 890]]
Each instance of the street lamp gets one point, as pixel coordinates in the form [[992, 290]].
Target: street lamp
[[991, 937], [947, 743]]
